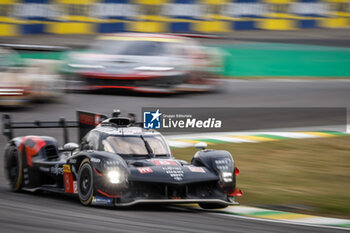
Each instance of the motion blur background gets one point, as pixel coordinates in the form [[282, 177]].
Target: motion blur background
[[208, 16], [242, 20], [274, 53]]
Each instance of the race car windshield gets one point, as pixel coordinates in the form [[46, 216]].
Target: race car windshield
[[133, 48], [136, 145]]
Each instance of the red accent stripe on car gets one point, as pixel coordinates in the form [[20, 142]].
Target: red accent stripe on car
[[137, 89], [97, 172], [104, 86]]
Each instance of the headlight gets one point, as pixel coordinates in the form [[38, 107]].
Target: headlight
[[114, 177], [227, 177], [153, 68]]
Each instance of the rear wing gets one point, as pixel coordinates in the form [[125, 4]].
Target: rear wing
[[86, 121]]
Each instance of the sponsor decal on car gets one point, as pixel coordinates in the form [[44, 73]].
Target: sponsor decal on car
[[75, 187], [56, 170], [68, 183], [175, 172], [95, 160], [143, 170], [87, 119], [196, 169], [70, 186], [131, 131], [66, 168], [102, 200], [163, 162], [90, 119]]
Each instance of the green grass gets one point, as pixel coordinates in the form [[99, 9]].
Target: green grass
[[310, 172]]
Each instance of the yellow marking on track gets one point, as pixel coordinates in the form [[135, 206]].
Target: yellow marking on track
[[192, 141], [255, 138], [285, 216], [319, 134]]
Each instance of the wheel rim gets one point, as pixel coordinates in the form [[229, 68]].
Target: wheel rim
[[85, 182], [85, 185]]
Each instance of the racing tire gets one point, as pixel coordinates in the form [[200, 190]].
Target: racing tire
[[85, 182], [14, 168], [212, 205]]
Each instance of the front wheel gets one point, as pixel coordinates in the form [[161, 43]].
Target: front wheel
[[212, 205], [14, 168], [85, 182]]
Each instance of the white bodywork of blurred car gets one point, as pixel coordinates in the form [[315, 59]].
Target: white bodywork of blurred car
[[141, 62], [35, 82]]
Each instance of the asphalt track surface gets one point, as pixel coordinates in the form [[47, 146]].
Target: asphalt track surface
[[32, 212]]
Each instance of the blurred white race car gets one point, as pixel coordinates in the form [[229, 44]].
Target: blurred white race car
[[156, 63], [20, 85]]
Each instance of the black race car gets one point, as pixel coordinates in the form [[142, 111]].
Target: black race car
[[117, 164]]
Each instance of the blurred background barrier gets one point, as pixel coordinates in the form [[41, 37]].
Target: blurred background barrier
[[269, 59], [285, 60], [20, 17]]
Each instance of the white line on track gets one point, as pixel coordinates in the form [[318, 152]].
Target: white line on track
[[214, 212], [282, 221]]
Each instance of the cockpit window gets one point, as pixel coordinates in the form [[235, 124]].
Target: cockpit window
[[132, 48], [136, 145], [157, 145]]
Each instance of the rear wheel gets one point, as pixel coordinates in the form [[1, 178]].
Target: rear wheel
[[14, 168], [85, 182], [212, 205]]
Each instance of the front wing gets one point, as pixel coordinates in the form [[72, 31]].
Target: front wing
[[134, 193]]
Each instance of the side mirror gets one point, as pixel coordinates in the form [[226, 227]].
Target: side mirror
[[201, 145], [70, 146]]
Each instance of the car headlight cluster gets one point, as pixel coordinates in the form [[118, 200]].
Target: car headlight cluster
[[114, 177], [227, 177], [111, 165], [113, 172]]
